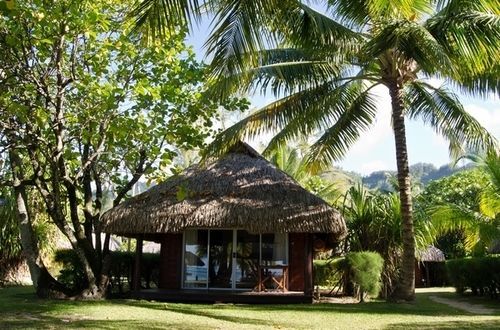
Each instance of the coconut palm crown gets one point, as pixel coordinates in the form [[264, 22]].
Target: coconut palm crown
[[322, 59]]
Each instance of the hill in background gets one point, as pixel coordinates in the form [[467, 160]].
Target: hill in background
[[421, 173]]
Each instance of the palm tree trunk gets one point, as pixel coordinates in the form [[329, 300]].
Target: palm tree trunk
[[406, 287]]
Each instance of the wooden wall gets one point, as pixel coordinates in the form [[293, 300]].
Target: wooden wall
[[300, 263], [170, 261]]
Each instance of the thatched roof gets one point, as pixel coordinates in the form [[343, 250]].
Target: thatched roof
[[240, 190], [431, 254]]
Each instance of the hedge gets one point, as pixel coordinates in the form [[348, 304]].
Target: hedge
[[121, 270], [480, 275]]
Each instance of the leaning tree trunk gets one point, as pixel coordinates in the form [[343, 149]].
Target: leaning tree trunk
[[44, 283], [406, 287]]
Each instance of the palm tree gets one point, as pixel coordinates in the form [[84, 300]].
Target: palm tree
[[374, 223], [323, 66], [290, 161], [481, 229]]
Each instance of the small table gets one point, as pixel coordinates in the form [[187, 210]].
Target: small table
[[267, 275]]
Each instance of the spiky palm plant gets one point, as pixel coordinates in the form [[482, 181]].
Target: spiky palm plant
[[323, 67], [290, 161]]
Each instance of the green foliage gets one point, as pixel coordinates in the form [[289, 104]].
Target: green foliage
[[366, 270], [329, 272], [469, 203], [11, 252], [10, 246], [121, 270], [361, 269], [462, 188], [71, 273], [374, 223], [90, 109], [481, 275], [291, 161]]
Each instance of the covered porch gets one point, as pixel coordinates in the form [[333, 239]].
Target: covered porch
[[222, 296]]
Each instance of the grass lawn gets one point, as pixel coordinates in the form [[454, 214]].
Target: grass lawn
[[20, 309]]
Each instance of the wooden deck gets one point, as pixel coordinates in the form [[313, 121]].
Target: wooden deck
[[223, 296]]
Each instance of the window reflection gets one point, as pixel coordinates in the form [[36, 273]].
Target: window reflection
[[213, 260], [195, 259]]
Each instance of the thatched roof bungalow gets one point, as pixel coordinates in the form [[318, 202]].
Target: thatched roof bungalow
[[244, 218], [430, 267]]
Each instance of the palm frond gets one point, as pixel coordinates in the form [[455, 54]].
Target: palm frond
[[450, 217], [321, 114], [490, 198], [358, 113], [442, 110], [239, 33], [413, 41], [308, 28], [360, 13], [280, 71], [469, 31], [156, 18], [274, 117]]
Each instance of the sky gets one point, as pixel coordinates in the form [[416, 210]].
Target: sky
[[375, 149]]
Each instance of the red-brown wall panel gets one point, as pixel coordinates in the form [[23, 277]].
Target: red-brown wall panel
[[171, 261]]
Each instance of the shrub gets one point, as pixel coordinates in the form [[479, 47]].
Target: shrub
[[328, 272], [365, 270], [360, 269], [121, 270], [479, 275]]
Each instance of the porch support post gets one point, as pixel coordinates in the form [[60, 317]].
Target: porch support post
[[136, 284], [308, 263]]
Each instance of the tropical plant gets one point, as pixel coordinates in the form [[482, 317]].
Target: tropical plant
[[323, 68], [479, 222], [366, 269], [461, 189], [290, 161], [374, 223], [10, 249]]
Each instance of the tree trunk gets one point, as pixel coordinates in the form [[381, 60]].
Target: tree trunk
[[45, 285], [406, 287]]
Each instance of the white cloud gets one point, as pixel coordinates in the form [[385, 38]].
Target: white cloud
[[381, 129], [489, 118]]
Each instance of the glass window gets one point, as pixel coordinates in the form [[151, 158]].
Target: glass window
[[274, 249], [222, 258], [247, 259], [195, 259]]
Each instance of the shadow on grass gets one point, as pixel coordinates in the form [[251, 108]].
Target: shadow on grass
[[488, 324], [56, 323], [20, 308], [183, 309], [423, 306]]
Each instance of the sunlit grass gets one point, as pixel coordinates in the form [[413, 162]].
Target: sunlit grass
[[20, 309]]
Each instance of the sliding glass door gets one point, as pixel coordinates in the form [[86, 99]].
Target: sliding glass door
[[195, 270], [229, 259], [247, 259], [220, 266]]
